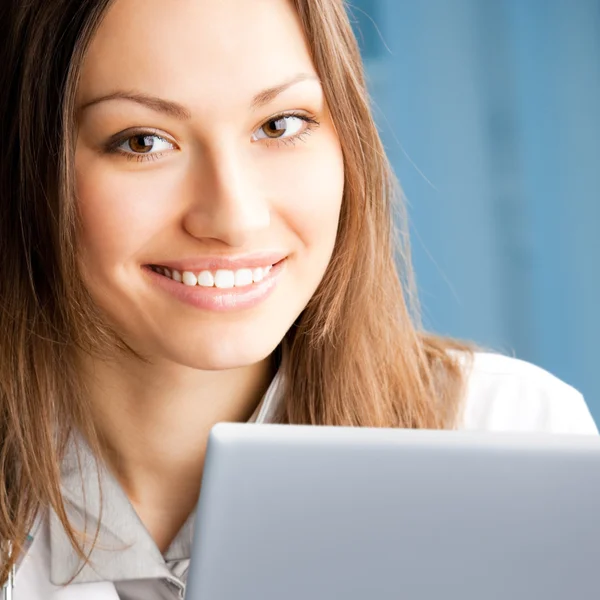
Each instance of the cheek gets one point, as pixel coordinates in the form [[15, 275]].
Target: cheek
[[309, 202], [121, 213]]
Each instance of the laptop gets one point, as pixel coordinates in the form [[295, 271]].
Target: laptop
[[340, 513]]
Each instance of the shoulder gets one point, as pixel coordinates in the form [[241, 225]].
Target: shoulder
[[508, 394]]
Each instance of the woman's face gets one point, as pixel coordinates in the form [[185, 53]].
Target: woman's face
[[211, 154]]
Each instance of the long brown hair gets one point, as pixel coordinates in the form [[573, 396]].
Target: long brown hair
[[355, 356]]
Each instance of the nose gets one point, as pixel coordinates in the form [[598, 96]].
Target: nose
[[227, 202]]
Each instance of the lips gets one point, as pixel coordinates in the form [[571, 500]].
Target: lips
[[230, 263], [220, 296]]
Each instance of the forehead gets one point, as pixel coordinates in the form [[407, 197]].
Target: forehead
[[219, 51]]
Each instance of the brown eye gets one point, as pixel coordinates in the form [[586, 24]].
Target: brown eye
[[274, 128], [286, 126], [141, 143]]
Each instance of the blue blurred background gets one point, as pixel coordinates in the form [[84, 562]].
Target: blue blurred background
[[490, 113]]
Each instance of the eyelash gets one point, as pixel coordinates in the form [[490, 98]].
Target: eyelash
[[113, 147]]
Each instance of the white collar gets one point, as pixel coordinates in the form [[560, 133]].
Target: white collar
[[121, 528]]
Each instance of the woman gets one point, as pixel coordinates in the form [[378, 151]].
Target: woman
[[196, 227]]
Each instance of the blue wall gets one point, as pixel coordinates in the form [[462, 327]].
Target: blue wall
[[490, 113]]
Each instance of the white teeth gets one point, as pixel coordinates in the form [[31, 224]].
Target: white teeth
[[224, 279], [206, 279], [189, 278], [243, 277]]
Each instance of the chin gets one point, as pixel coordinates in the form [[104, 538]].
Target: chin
[[222, 354]]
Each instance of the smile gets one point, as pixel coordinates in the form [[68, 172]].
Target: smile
[[220, 278], [217, 288]]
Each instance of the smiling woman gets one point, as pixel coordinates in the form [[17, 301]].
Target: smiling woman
[[187, 183], [196, 226]]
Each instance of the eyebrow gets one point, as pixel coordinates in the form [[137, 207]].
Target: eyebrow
[[180, 112]]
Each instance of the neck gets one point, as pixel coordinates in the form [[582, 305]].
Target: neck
[[154, 422]]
